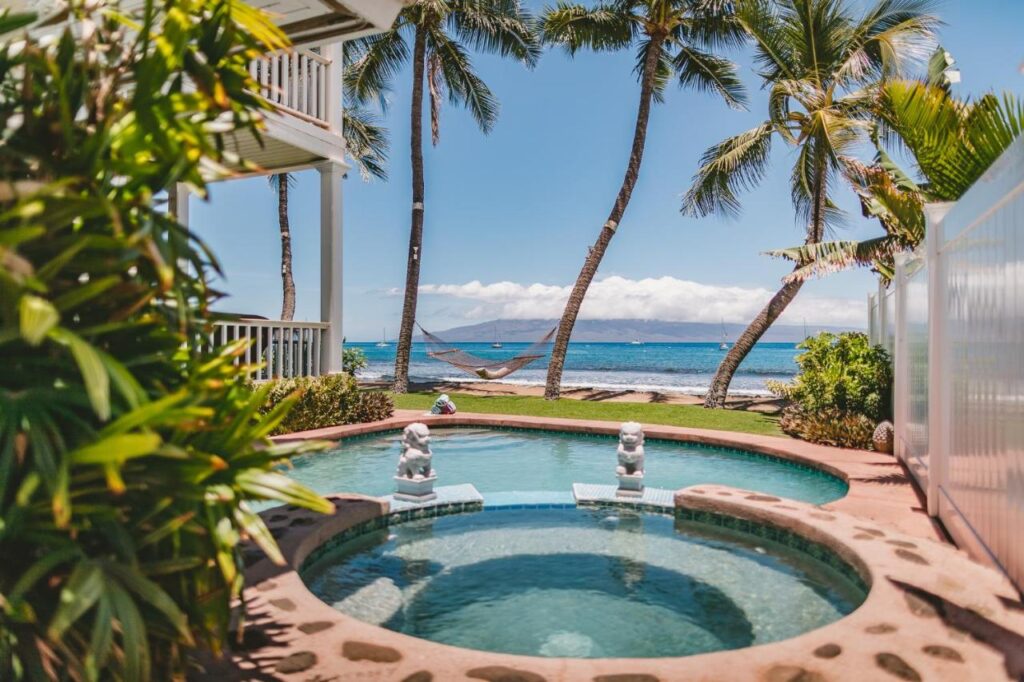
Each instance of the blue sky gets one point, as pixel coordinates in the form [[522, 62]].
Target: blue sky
[[509, 215]]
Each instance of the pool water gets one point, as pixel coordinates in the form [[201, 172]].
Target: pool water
[[581, 583], [499, 462]]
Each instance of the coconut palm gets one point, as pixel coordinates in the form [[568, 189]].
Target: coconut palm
[[822, 64], [953, 141], [367, 145], [435, 35], [674, 39], [281, 183]]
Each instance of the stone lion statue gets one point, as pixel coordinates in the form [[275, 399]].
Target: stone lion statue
[[414, 463], [631, 450]]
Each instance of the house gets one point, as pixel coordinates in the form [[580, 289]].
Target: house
[[303, 131]]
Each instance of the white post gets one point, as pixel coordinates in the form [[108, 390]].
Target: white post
[[883, 315], [331, 175], [938, 380], [900, 365], [177, 202], [332, 90], [871, 320]]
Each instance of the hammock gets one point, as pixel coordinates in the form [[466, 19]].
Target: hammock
[[484, 369]]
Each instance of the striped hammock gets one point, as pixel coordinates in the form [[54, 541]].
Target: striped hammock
[[438, 349]]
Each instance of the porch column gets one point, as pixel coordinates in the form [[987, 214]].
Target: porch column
[[330, 264], [177, 202]]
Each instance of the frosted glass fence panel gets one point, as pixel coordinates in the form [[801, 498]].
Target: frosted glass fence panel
[[983, 256], [914, 432], [958, 332]]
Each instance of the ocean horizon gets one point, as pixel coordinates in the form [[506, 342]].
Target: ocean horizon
[[678, 367]]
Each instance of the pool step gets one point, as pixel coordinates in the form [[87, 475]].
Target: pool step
[[592, 494], [464, 493]]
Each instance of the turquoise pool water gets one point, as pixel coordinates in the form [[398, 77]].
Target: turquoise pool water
[[581, 583], [513, 466]]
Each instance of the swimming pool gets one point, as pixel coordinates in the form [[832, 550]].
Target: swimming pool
[[584, 583], [509, 466]]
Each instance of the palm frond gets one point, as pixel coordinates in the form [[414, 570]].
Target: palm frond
[[891, 36], [372, 64], [366, 142], [826, 258], [500, 27], [464, 86], [603, 27], [709, 73], [735, 164]]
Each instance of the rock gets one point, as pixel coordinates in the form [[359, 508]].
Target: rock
[[882, 439]]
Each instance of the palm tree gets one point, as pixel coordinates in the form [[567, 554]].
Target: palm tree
[[953, 141], [673, 39], [435, 35], [281, 183], [822, 66], [367, 145]]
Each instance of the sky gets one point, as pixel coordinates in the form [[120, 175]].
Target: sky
[[509, 215]]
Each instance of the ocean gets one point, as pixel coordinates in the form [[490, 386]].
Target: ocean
[[665, 367]]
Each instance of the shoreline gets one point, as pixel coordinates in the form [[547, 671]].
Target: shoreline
[[764, 404]]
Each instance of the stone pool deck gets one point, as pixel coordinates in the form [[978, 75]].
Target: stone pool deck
[[931, 613]]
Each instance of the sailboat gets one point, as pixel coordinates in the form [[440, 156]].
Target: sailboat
[[806, 335], [383, 343], [496, 344], [724, 344]]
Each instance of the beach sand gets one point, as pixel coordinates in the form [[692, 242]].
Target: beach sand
[[481, 388]]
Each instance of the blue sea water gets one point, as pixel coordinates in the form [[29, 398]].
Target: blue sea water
[[666, 367]]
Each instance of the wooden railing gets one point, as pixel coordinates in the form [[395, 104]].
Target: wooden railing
[[296, 82], [282, 349]]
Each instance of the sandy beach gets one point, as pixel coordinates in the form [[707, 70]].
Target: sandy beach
[[766, 405]]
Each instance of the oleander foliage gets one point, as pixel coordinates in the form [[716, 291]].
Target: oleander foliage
[[127, 455], [843, 389], [324, 401]]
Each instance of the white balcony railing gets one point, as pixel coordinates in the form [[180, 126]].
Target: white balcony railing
[[297, 83], [284, 349]]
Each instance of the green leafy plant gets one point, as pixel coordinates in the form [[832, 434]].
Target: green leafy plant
[[353, 360], [127, 451], [329, 400], [841, 376]]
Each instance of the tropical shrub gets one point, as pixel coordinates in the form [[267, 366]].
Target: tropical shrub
[[828, 427], [353, 360], [843, 388], [127, 454], [329, 400]]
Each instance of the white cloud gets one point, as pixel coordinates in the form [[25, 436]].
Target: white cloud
[[664, 298]]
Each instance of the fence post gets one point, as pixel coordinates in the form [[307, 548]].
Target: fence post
[[900, 361], [883, 316], [938, 356], [871, 319]]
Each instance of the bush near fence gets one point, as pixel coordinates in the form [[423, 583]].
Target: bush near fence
[[326, 401], [843, 389]]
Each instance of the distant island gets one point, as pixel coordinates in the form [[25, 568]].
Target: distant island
[[621, 331]]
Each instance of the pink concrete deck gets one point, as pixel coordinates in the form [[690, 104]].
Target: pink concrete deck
[[931, 613]]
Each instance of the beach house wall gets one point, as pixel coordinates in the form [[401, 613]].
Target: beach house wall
[[957, 329], [303, 131]]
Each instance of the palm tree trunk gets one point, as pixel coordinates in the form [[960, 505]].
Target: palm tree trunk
[[412, 272], [719, 388], [597, 251], [287, 282]]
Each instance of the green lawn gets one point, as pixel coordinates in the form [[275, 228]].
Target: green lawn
[[646, 413]]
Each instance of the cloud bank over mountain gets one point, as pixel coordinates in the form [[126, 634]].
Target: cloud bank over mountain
[[666, 299]]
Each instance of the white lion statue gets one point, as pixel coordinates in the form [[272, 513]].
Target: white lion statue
[[414, 463], [631, 450]]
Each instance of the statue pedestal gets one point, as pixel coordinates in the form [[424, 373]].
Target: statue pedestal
[[415, 489], [630, 485]]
